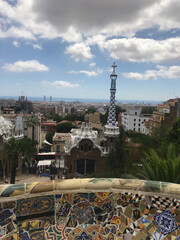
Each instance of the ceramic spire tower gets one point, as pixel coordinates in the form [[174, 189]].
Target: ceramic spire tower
[[111, 128]]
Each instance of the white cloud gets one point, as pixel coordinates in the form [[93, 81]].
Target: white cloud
[[92, 64], [79, 51], [92, 22], [59, 84], [144, 50], [172, 72], [70, 19], [37, 46], [88, 73], [91, 73], [73, 72], [16, 44], [25, 66], [15, 32]]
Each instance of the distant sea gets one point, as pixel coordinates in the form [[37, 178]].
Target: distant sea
[[85, 100]]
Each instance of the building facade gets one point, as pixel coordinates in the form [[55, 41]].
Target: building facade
[[135, 121], [83, 154], [164, 115]]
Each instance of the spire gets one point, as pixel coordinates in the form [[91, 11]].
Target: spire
[[113, 77], [111, 128], [114, 66]]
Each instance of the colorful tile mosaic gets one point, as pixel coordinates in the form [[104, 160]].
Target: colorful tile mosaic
[[105, 210]]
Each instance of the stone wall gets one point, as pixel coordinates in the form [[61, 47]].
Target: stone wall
[[90, 209]]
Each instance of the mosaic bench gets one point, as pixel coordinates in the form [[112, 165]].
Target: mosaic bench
[[90, 209]]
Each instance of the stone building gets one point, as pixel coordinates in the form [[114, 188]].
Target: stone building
[[83, 153]]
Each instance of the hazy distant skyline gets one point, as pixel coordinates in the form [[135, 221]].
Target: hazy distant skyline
[[64, 48]]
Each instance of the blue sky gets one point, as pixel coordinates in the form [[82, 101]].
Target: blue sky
[[65, 48]]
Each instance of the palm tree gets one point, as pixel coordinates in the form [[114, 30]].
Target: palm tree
[[33, 121], [14, 149], [162, 169], [17, 148]]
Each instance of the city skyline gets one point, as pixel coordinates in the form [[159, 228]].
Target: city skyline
[[65, 48]]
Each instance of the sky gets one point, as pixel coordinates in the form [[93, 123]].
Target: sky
[[65, 48]]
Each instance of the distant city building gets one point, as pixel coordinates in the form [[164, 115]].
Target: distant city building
[[50, 98], [23, 105], [7, 103], [134, 121], [165, 114], [7, 111], [44, 98], [48, 126]]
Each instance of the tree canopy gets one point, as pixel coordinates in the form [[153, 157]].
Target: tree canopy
[[33, 121], [117, 159], [16, 148], [64, 127]]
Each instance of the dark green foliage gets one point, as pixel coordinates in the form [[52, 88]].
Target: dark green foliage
[[148, 110], [56, 117], [103, 118], [28, 148], [173, 134], [33, 121], [146, 141], [64, 127], [161, 169], [17, 109], [14, 147], [49, 136], [91, 110], [69, 117], [3, 157], [97, 129], [74, 117], [117, 159]]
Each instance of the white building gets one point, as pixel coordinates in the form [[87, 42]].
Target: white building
[[134, 121], [8, 130]]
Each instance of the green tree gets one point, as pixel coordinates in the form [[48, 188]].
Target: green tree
[[74, 117], [64, 127], [17, 148], [146, 141], [161, 169], [28, 148], [49, 136], [117, 159], [173, 134], [32, 122], [147, 110], [3, 158], [91, 110], [56, 117], [13, 153]]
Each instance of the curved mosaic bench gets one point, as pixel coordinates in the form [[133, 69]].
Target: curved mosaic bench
[[90, 209]]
